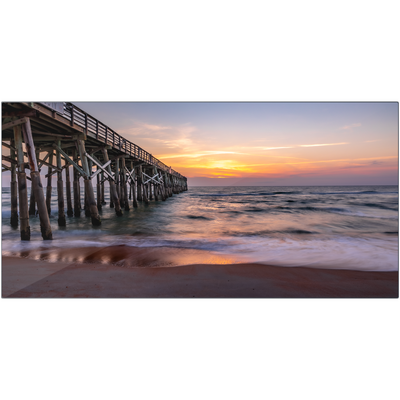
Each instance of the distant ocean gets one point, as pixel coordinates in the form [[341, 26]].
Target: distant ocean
[[349, 227]]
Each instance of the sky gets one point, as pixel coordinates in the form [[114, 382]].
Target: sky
[[264, 143]]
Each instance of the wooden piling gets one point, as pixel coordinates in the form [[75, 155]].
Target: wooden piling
[[139, 184], [150, 186], [13, 188], [36, 182], [48, 188], [103, 203], [134, 200], [169, 186], [133, 186], [144, 187], [123, 182], [60, 190], [156, 192], [117, 180], [94, 213], [113, 190], [32, 203], [77, 200], [25, 229], [70, 211], [87, 203], [98, 189]]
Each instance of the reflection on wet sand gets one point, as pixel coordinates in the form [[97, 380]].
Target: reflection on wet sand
[[128, 256]]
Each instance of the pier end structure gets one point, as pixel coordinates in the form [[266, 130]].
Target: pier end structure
[[59, 136]]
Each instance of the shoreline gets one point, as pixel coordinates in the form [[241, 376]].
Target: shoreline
[[28, 278]]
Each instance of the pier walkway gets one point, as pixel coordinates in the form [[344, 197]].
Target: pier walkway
[[61, 137]]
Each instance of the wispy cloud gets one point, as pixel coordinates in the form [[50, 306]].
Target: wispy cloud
[[346, 127], [155, 127], [321, 144], [197, 155], [274, 148], [173, 137]]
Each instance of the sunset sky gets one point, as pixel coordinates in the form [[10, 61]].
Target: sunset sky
[[264, 143]]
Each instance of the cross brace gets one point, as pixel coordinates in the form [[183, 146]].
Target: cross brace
[[153, 178], [102, 167], [73, 163]]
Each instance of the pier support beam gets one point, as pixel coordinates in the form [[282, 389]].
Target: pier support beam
[[139, 184], [103, 203], [117, 180], [133, 186], [98, 189], [25, 229], [156, 187], [87, 205], [32, 203], [94, 213], [48, 188], [123, 182], [113, 190], [145, 197], [77, 198], [36, 183], [60, 190], [70, 211], [14, 189]]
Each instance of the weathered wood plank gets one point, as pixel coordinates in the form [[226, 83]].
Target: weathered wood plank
[[14, 123]]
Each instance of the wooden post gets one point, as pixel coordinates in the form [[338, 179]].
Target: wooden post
[[25, 229], [124, 188], [60, 189], [133, 186], [87, 205], [149, 185], [32, 208], [94, 213], [156, 192], [103, 203], [162, 192], [113, 190], [13, 188], [98, 187], [139, 184], [48, 188], [144, 186], [77, 199], [36, 182], [117, 182], [154, 171], [70, 211], [169, 186]]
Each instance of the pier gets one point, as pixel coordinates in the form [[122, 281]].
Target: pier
[[62, 137]]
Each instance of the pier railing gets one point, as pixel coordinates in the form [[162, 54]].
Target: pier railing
[[108, 136]]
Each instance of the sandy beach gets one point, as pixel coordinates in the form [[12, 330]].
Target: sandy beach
[[25, 277]]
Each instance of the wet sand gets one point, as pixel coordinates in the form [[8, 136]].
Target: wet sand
[[153, 273]]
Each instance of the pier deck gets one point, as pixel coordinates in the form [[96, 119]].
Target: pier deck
[[61, 136]]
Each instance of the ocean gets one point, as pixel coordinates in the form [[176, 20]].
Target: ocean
[[344, 227]]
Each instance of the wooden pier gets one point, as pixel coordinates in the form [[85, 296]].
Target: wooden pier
[[61, 136]]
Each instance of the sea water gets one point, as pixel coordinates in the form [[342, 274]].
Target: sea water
[[346, 227]]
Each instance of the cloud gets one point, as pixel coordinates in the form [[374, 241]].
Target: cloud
[[180, 136], [347, 127], [273, 148], [201, 154], [321, 144], [155, 127]]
